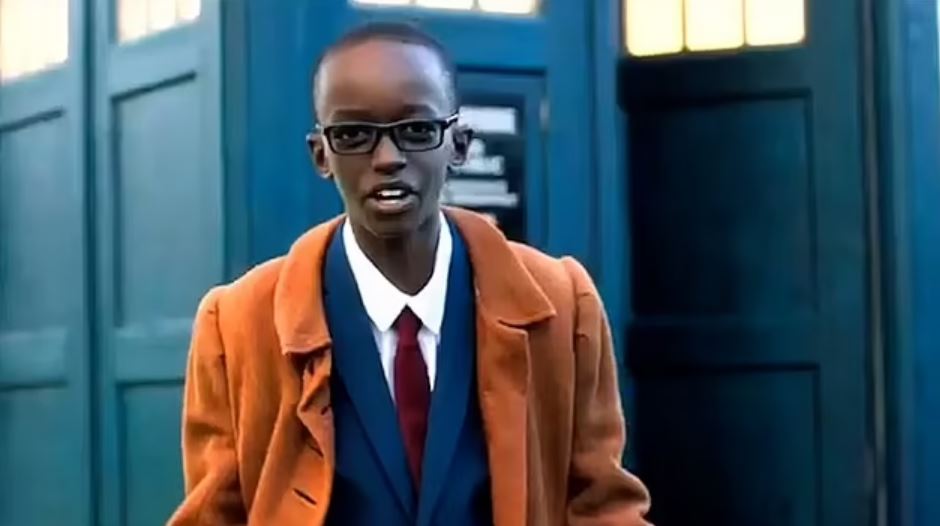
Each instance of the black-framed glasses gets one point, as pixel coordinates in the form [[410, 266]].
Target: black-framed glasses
[[411, 135]]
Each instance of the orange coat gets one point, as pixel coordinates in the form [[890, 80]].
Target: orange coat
[[258, 443]]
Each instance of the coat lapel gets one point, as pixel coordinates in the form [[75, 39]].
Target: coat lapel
[[503, 363], [452, 388], [304, 339], [312, 479], [508, 301], [357, 362]]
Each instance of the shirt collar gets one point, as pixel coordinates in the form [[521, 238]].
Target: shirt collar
[[383, 301]]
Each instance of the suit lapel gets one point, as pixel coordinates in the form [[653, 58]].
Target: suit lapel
[[452, 388], [357, 363]]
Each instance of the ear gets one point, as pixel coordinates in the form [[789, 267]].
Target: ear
[[462, 136], [316, 145]]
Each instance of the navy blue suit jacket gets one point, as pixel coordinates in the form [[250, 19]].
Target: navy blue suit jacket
[[372, 484]]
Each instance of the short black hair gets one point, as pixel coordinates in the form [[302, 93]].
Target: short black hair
[[403, 32]]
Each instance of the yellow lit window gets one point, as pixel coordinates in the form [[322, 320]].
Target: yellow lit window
[[446, 4], [140, 18], [662, 27], [519, 7], [34, 35], [645, 20], [772, 22]]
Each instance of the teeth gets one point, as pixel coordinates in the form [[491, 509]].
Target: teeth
[[391, 194]]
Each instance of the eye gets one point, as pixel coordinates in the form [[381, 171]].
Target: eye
[[418, 131], [351, 134], [419, 127]]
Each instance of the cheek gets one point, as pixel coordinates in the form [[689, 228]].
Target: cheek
[[434, 167], [346, 172]]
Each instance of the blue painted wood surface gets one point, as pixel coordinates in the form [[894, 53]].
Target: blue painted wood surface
[[46, 414], [750, 337], [908, 110], [106, 196], [922, 83], [159, 234]]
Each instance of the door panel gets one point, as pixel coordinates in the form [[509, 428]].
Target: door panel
[[504, 175], [161, 244], [38, 455], [153, 485], [750, 343], [45, 430], [784, 487], [761, 233], [162, 215]]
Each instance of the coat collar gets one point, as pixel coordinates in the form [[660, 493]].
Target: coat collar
[[505, 288]]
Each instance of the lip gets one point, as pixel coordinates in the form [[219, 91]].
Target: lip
[[391, 207], [391, 185]]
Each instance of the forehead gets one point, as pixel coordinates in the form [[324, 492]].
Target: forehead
[[382, 79]]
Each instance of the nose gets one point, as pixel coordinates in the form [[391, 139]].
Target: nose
[[387, 158]]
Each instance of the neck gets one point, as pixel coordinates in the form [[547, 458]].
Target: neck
[[406, 261]]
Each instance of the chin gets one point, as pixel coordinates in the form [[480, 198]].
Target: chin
[[391, 227], [389, 232]]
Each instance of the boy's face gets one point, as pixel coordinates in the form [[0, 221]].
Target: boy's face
[[390, 188]]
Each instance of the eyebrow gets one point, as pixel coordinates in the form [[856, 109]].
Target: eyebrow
[[361, 114]]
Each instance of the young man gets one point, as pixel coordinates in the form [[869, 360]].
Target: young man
[[403, 364]]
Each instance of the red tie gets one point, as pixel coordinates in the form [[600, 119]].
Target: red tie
[[412, 391]]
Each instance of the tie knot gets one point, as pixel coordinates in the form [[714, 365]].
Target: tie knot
[[408, 326]]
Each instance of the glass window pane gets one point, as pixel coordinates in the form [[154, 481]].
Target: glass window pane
[[30, 55], [446, 4], [775, 22], [187, 10], [7, 58], [11, 27], [132, 19], [57, 18], [33, 36], [161, 15], [714, 24], [139, 18], [653, 27], [519, 7], [382, 2]]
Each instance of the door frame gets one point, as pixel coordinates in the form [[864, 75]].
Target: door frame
[[907, 109]]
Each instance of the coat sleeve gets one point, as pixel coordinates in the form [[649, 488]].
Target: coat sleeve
[[212, 492], [601, 491]]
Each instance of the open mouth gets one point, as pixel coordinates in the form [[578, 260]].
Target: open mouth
[[392, 199]]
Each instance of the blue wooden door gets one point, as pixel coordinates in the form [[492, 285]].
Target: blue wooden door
[[509, 69], [752, 343], [159, 237], [45, 409]]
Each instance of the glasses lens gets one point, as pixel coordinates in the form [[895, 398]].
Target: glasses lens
[[352, 138], [418, 135]]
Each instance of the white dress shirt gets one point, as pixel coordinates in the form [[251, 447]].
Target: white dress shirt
[[383, 302]]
